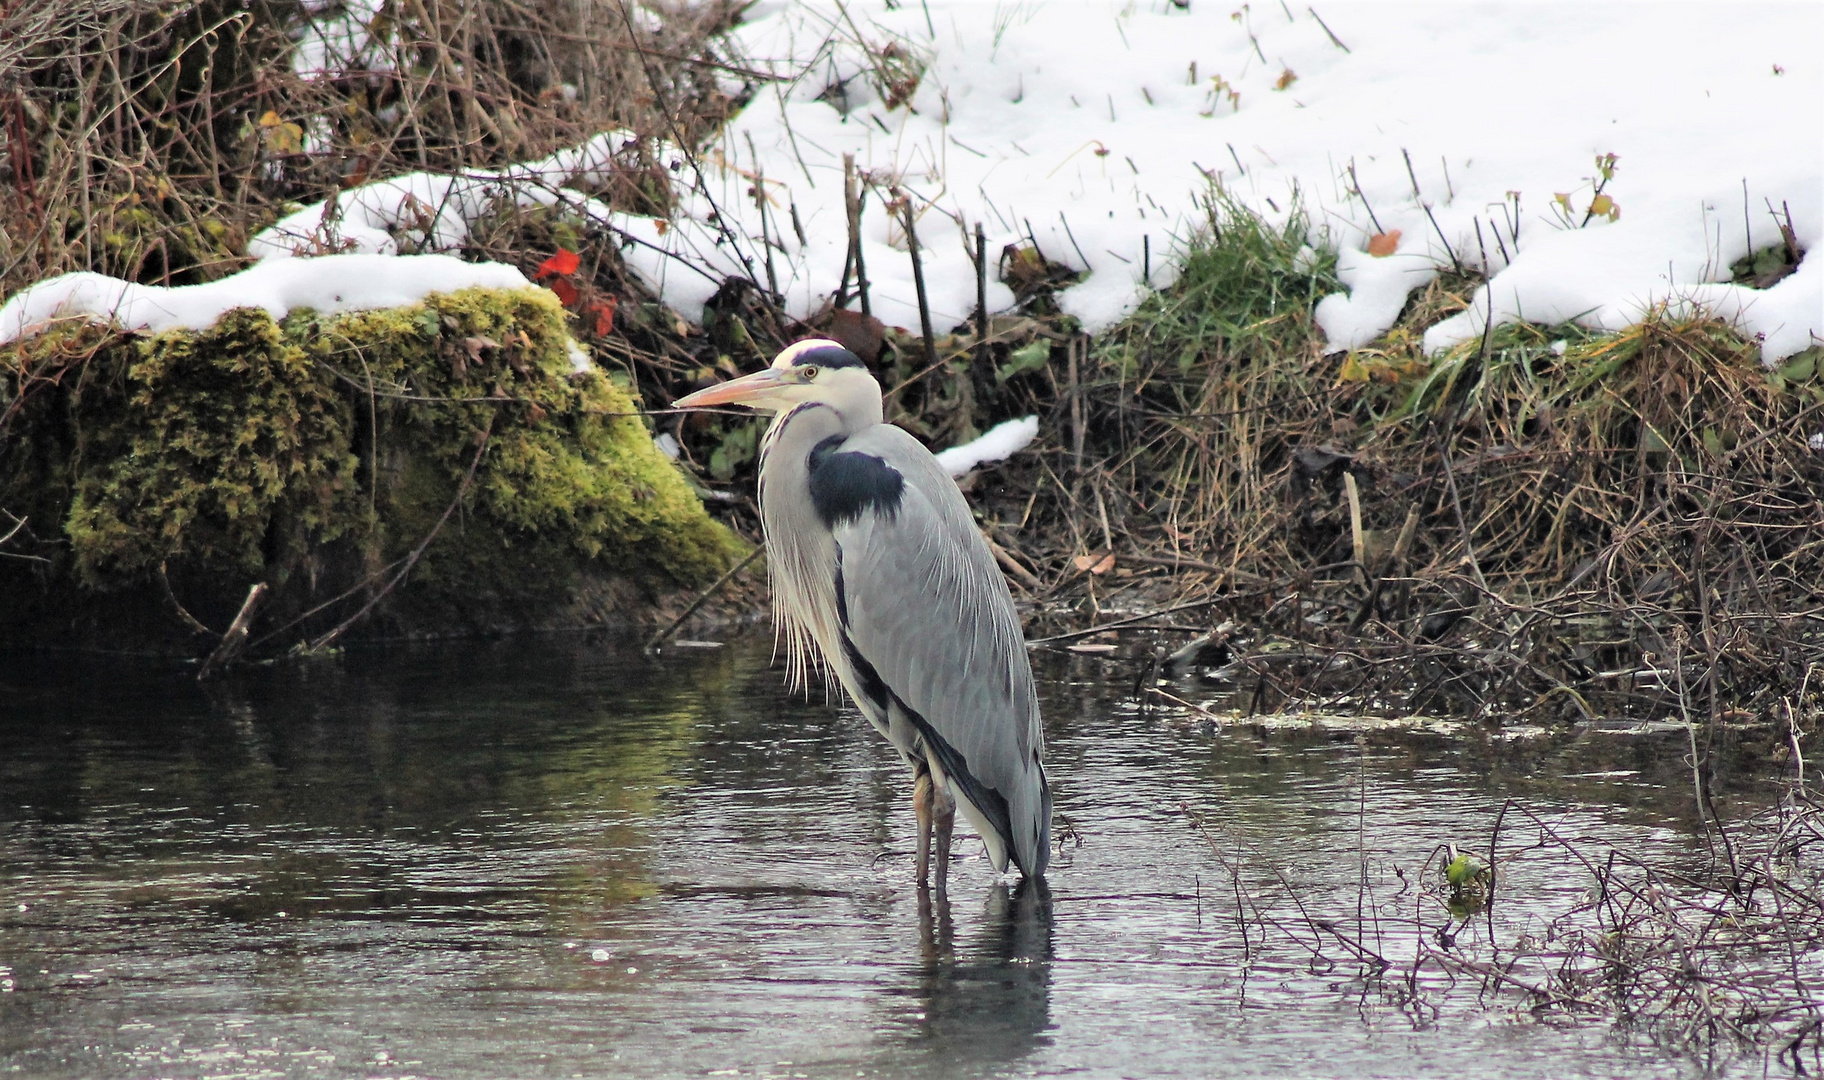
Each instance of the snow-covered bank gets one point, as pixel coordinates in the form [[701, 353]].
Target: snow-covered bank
[[1093, 125], [1474, 135], [1595, 161]]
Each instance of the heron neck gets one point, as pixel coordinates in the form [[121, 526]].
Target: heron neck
[[865, 413], [796, 430], [810, 422]]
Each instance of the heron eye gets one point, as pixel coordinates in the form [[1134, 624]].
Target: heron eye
[[809, 371]]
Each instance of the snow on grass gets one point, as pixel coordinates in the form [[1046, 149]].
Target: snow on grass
[[1091, 125], [332, 284], [427, 211], [998, 443]]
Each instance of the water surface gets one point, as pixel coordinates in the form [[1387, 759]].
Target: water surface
[[558, 857]]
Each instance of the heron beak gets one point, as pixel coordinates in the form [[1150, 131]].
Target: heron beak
[[740, 391]]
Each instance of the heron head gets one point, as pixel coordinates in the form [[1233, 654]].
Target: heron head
[[816, 370]]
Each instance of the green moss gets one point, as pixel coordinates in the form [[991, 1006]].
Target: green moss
[[319, 450], [567, 460], [208, 439]]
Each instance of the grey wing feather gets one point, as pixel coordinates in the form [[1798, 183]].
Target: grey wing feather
[[926, 607]]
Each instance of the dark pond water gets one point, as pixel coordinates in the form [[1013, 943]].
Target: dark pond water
[[564, 858]]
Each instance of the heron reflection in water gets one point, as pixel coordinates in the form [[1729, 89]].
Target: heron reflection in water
[[991, 1004], [877, 566]]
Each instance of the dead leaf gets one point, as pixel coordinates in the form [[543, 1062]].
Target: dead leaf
[[478, 343], [1381, 245], [1095, 564], [1286, 78], [1025, 269], [861, 334], [281, 136]]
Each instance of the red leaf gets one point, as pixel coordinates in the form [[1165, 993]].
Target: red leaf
[[564, 262], [603, 310], [565, 291]]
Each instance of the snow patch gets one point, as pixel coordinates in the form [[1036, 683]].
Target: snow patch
[[331, 284], [433, 211], [1092, 127], [1377, 291], [998, 443]]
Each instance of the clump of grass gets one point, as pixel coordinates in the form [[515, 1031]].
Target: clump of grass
[[1211, 385]]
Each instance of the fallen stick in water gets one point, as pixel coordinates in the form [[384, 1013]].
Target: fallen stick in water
[[236, 637]]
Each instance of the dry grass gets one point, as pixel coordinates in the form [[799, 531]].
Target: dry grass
[[1595, 524], [149, 140]]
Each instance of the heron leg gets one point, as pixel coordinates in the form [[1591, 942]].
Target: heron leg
[[943, 813], [922, 790]]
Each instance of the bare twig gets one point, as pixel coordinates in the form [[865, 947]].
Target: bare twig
[[670, 628], [327, 639], [918, 281], [1334, 40]]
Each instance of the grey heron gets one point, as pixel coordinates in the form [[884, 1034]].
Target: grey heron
[[877, 564]]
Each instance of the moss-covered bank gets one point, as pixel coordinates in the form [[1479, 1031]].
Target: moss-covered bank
[[160, 476]]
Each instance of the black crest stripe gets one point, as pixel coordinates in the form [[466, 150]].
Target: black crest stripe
[[828, 356]]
